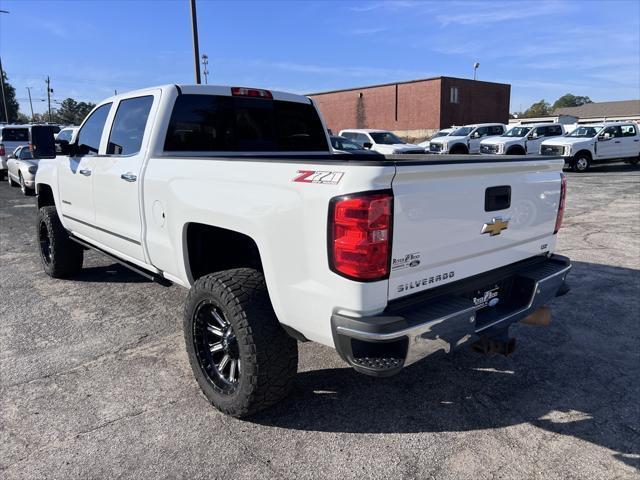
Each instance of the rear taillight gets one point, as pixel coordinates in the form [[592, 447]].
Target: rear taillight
[[2, 150], [250, 92], [360, 235], [563, 198]]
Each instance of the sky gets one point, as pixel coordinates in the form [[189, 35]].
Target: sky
[[544, 49]]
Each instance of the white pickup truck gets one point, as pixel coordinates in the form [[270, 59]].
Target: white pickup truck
[[466, 139], [233, 193], [521, 139], [597, 143]]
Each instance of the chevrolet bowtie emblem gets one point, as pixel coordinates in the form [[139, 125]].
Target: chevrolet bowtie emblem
[[496, 226]]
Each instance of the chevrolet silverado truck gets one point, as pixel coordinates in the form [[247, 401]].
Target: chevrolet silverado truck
[[597, 143], [466, 139], [234, 194], [521, 139]]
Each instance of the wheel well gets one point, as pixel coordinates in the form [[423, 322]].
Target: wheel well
[[213, 249], [515, 150], [45, 196], [586, 153], [459, 148]]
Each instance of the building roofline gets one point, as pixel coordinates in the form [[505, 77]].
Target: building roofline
[[402, 83]]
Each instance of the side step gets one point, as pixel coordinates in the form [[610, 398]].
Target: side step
[[139, 270]]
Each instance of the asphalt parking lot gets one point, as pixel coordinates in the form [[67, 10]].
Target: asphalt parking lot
[[95, 382]]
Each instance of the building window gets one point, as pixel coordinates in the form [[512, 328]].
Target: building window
[[454, 94]]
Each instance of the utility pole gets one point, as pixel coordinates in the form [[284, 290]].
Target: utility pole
[[194, 31], [49, 92], [30, 102], [4, 98], [205, 71]]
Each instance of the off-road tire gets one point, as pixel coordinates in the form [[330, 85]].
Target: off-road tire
[[268, 355], [64, 258]]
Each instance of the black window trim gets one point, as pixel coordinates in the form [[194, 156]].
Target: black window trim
[[77, 142], [113, 122]]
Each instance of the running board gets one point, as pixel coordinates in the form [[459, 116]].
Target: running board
[[139, 270]]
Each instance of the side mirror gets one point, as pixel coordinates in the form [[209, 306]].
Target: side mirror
[[604, 137], [475, 135], [367, 145], [42, 143]]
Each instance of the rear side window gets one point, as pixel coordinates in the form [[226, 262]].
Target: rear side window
[[128, 126], [91, 132], [628, 130], [233, 124], [15, 134]]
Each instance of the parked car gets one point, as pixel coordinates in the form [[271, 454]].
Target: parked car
[[440, 133], [521, 139], [597, 143], [21, 169], [344, 145], [381, 141], [235, 193], [466, 139], [12, 137], [66, 133]]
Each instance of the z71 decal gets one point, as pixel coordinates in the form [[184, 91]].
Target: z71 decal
[[313, 176]]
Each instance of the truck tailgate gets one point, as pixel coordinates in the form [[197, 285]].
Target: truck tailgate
[[442, 208]]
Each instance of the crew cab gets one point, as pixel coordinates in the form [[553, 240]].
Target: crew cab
[[235, 194], [521, 139], [381, 141], [597, 143], [466, 139]]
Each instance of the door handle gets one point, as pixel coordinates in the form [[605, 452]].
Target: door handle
[[617, 141], [128, 177], [85, 172]]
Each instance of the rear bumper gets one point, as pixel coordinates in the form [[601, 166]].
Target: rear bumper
[[384, 344]]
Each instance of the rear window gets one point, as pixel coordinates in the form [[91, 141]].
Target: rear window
[[234, 124], [15, 134]]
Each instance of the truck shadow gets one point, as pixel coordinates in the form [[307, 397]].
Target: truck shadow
[[114, 273], [578, 377]]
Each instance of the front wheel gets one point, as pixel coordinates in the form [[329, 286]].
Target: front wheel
[[581, 163], [26, 191], [60, 256], [241, 356]]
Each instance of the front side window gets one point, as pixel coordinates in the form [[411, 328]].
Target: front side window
[[232, 124], [614, 131], [481, 132], [15, 135], [91, 132], [496, 130], [128, 126], [362, 138], [554, 130], [25, 154], [540, 132]]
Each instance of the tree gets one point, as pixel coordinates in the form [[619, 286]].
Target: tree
[[72, 112], [570, 100], [538, 109], [12, 103]]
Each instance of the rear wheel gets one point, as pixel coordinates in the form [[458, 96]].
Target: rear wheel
[[241, 356], [634, 161], [581, 163], [26, 191], [60, 256]]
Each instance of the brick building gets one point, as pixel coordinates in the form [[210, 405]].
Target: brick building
[[417, 108]]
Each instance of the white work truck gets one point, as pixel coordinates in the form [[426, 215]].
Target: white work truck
[[466, 139], [521, 139], [598, 143], [234, 194]]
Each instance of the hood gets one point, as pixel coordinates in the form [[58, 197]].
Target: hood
[[29, 163], [395, 147], [501, 140], [567, 141], [449, 140]]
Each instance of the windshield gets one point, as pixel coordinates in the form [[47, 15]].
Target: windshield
[[441, 133], [517, 132], [385, 138], [344, 144], [25, 154], [587, 132], [462, 132]]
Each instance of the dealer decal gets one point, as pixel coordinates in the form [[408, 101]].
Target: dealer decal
[[314, 176]]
